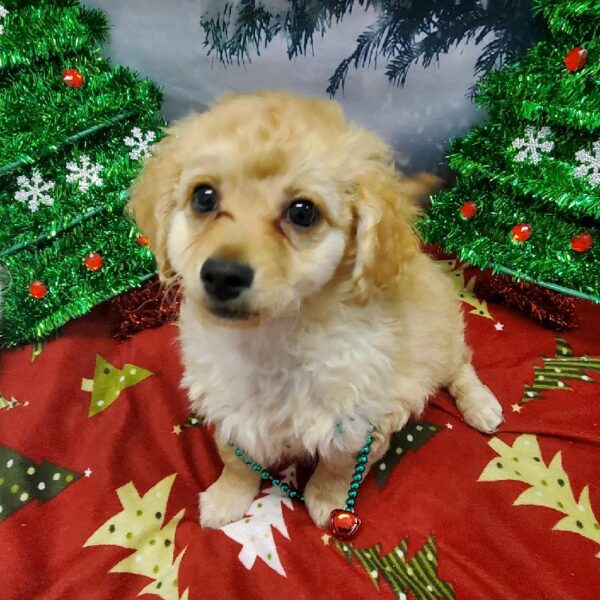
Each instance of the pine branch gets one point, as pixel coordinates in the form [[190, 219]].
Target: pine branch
[[406, 32], [247, 25], [392, 38]]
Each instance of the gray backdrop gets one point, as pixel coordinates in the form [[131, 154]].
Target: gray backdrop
[[163, 40]]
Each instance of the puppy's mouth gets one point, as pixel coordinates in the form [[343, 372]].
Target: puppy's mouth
[[232, 315]]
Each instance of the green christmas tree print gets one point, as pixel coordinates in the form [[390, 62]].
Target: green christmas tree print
[[558, 369], [22, 481], [465, 287], [109, 382], [141, 526], [6, 404], [548, 485], [411, 437], [194, 420], [36, 349], [418, 575]]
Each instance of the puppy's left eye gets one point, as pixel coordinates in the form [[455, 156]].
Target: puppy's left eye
[[303, 213], [204, 199]]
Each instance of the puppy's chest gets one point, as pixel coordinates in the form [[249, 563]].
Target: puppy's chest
[[279, 393]]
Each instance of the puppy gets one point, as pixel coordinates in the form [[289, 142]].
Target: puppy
[[309, 312]]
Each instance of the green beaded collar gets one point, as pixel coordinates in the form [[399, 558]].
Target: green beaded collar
[[344, 523]]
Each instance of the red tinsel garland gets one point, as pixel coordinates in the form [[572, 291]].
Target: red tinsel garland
[[152, 305], [551, 309], [149, 306]]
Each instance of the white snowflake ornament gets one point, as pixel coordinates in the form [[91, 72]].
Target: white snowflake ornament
[[3, 13], [590, 165], [85, 174], [533, 145], [34, 191], [140, 143]]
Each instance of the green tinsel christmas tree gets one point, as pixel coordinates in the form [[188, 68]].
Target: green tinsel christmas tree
[[74, 133], [527, 198]]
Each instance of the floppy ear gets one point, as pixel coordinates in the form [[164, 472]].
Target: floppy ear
[[385, 209], [152, 200]]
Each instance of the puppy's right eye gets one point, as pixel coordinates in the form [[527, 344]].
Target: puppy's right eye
[[204, 199], [303, 213]]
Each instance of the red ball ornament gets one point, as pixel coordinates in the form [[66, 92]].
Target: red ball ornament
[[142, 240], [93, 261], [468, 210], [38, 290], [576, 59], [344, 524], [583, 242], [73, 78], [521, 232]]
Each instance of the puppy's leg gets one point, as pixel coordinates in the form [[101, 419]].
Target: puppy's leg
[[328, 486], [327, 489], [229, 498], [475, 401]]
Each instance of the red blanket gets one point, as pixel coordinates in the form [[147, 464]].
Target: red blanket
[[101, 464]]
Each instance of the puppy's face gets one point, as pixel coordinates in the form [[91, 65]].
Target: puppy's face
[[259, 221], [266, 200]]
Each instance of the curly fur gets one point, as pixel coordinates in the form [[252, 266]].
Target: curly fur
[[350, 324]]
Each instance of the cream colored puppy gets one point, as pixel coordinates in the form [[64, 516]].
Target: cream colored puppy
[[309, 312]]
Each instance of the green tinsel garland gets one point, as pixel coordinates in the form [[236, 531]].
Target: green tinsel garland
[[486, 239], [61, 113], [18, 225], [488, 151], [574, 100], [539, 92], [45, 125], [36, 31], [72, 289], [573, 17]]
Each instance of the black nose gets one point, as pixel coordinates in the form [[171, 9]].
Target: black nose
[[225, 279]]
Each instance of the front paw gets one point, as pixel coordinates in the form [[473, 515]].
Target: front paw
[[222, 504], [322, 496], [483, 411]]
